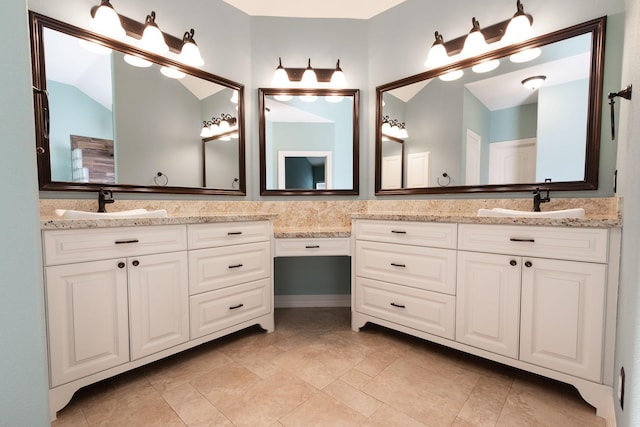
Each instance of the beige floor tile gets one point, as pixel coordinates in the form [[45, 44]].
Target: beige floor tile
[[71, 416], [352, 397], [355, 378], [376, 362], [224, 383], [323, 410], [266, 401], [193, 408], [485, 403], [535, 401], [387, 416]]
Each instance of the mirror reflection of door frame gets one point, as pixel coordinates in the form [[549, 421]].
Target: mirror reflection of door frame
[[282, 156]]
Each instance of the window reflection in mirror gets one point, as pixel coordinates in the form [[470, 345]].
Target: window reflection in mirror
[[488, 129], [118, 124], [308, 141]]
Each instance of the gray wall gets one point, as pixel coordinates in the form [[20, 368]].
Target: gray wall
[[23, 367]]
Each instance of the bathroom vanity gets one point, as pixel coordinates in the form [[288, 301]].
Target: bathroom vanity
[[120, 295], [538, 298]]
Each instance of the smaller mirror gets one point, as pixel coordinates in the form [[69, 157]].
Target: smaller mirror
[[308, 141]]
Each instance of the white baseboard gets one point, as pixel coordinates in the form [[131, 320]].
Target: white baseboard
[[296, 301]]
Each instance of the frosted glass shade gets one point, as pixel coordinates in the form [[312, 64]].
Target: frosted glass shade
[[107, 22]]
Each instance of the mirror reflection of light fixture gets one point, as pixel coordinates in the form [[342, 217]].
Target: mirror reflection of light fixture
[[526, 55], [226, 125], [533, 82], [136, 61], [172, 73], [394, 128], [190, 54], [152, 38], [451, 76], [106, 21], [479, 41], [234, 97]]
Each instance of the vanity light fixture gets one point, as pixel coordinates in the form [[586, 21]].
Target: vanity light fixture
[[172, 73], [309, 77], [480, 41], [190, 54], [226, 125], [152, 38], [394, 128], [533, 82], [136, 61], [106, 21]]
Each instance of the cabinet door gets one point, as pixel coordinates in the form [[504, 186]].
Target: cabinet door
[[86, 318], [563, 316], [158, 302], [488, 302]]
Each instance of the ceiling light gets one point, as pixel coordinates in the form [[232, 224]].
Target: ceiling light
[[152, 38], [190, 54], [534, 82], [280, 76], [437, 55], [106, 21]]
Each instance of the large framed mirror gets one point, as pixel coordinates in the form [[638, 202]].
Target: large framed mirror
[[309, 141], [488, 132], [101, 122]]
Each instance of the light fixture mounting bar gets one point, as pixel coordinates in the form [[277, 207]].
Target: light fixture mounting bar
[[323, 75], [135, 29], [492, 34]]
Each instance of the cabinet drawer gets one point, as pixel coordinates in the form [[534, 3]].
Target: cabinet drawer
[[313, 247], [430, 312], [227, 233], [425, 268], [71, 246], [578, 244], [216, 310], [216, 268], [435, 234]]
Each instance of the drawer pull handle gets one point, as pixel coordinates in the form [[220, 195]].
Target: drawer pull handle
[[124, 242], [515, 239], [135, 263], [234, 307], [234, 233], [398, 305], [398, 265], [528, 264], [235, 266], [121, 264], [513, 262], [398, 232], [312, 246]]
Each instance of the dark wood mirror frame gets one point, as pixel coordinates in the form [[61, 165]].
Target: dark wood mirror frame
[[355, 94], [37, 24], [597, 29]]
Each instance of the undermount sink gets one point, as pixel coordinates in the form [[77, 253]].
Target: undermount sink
[[133, 213], [564, 213]]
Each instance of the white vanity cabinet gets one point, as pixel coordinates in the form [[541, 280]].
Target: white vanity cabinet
[[120, 297], [538, 298]]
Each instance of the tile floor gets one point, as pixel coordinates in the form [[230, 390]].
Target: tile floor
[[314, 371]]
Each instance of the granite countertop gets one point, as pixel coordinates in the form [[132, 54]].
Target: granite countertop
[[588, 222], [312, 232], [54, 223]]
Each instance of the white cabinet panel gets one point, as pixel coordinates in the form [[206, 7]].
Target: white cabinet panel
[[158, 302], [488, 302], [217, 268], [216, 310], [563, 316], [325, 246], [431, 269], [227, 233], [423, 310], [86, 318]]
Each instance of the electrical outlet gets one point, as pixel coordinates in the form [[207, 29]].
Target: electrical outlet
[[621, 388]]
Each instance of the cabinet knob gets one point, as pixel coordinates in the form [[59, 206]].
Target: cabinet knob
[[135, 263], [528, 264], [513, 262], [121, 264]]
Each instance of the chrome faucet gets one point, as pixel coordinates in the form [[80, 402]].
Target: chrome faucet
[[537, 199], [104, 197]]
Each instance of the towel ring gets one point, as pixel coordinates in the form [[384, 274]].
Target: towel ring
[[159, 175], [444, 175]]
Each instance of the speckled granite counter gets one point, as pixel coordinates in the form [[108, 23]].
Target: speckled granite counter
[[57, 223], [550, 222], [312, 232]]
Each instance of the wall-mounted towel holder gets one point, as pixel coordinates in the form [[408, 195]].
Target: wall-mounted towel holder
[[624, 93]]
